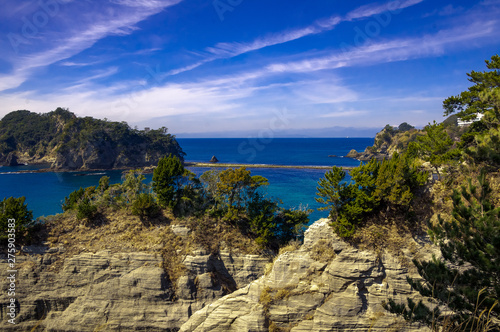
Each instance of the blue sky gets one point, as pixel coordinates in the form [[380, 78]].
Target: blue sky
[[240, 67]]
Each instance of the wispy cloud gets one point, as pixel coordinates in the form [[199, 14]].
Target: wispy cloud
[[82, 35], [375, 9], [233, 49], [393, 50]]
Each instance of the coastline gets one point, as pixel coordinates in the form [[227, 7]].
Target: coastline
[[148, 170], [221, 165]]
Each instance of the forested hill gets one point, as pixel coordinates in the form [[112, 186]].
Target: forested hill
[[70, 142]]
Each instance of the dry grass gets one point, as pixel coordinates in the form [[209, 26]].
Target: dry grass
[[322, 251], [291, 246], [120, 231]]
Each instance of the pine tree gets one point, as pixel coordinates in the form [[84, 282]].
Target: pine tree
[[167, 181], [467, 279], [15, 210]]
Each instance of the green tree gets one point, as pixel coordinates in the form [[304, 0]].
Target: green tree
[[405, 127], [15, 209], [86, 209], [468, 103], [436, 146], [484, 147], [103, 184], [388, 185], [167, 181], [234, 188], [348, 202], [132, 185], [145, 206], [71, 202], [271, 225], [470, 285]]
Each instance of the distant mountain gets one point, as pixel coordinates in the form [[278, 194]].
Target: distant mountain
[[66, 141], [319, 132]]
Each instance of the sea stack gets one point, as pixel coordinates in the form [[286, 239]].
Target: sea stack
[[214, 159]]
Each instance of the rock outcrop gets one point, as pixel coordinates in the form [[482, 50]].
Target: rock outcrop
[[302, 293], [11, 160], [65, 141], [124, 291], [323, 285], [388, 141]]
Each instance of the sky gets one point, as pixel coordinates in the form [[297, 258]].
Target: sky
[[232, 68]]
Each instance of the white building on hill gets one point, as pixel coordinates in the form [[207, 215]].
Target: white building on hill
[[462, 123]]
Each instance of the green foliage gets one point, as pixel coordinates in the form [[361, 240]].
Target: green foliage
[[132, 185], [375, 186], [103, 184], [483, 140], [15, 208], [145, 206], [71, 202], [468, 103], [40, 134], [234, 195], [86, 210], [193, 200], [436, 146], [231, 190], [405, 127], [236, 187], [167, 181], [413, 311], [471, 241], [271, 225]]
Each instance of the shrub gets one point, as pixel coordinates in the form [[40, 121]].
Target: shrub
[[388, 185], [86, 210], [145, 206], [15, 208], [71, 202]]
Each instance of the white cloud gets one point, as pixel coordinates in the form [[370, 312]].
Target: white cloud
[[232, 49], [82, 35], [394, 50]]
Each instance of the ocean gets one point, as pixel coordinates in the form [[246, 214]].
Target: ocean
[[45, 192]]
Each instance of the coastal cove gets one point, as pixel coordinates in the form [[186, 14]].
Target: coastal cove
[[294, 184]]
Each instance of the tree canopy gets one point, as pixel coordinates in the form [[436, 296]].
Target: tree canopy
[[468, 103], [375, 186]]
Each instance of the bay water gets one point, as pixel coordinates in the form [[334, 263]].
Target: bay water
[[296, 188]]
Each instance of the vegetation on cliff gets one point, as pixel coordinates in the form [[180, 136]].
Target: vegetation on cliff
[[16, 220], [467, 228], [232, 197], [67, 141], [379, 190]]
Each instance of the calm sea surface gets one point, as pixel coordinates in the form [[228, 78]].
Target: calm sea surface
[[295, 187]]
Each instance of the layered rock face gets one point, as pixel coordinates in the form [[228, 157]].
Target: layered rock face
[[107, 291], [302, 293], [323, 285]]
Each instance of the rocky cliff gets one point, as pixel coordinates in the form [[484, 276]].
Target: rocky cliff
[[387, 141], [325, 285], [118, 291], [65, 141]]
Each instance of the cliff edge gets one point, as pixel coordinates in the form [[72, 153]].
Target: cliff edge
[[324, 285]]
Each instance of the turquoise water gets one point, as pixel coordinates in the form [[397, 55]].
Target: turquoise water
[[295, 187]]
